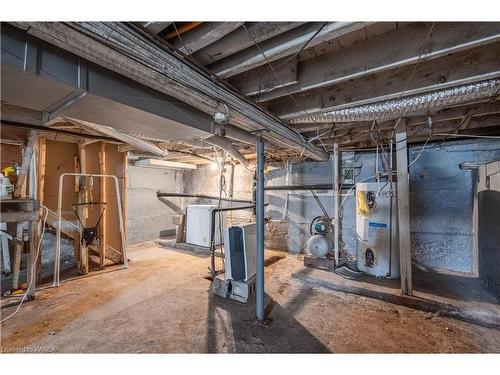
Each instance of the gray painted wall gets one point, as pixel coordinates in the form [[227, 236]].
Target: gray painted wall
[[147, 217]]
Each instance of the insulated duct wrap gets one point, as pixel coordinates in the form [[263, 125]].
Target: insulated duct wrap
[[410, 106]]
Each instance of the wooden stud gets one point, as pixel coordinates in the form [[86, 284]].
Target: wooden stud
[[32, 259], [102, 192], [20, 190], [81, 252], [125, 193], [403, 210], [18, 252], [42, 155]]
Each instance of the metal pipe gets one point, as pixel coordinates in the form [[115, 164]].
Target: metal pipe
[[259, 289], [226, 145], [124, 137], [303, 187], [336, 221], [409, 106], [59, 219], [213, 271], [203, 196]]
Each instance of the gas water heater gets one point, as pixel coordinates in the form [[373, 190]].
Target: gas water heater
[[377, 229]]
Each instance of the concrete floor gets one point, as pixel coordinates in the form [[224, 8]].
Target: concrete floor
[[162, 304]]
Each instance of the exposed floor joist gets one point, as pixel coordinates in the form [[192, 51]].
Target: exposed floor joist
[[283, 45], [464, 67], [238, 40], [398, 48], [203, 35]]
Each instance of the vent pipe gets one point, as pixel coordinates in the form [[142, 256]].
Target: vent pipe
[[410, 106]]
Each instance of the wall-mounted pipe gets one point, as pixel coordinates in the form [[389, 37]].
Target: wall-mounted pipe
[[409, 106], [110, 132], [203, 196]]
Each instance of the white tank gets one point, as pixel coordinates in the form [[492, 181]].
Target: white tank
[[377, 229], [318, 245]]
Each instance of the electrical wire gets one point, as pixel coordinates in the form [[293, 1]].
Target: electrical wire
[[33, 267], [280, 80]]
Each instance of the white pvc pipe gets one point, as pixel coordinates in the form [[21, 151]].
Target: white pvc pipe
[[59, 219]]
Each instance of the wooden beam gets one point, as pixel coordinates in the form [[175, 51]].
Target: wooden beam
[[204, 35], [388, 51], [81, 251], [403, 196], [102, 192], [238, 40], [283, 45], [42, 160], [453, 70], [23, 172], [263, 78]]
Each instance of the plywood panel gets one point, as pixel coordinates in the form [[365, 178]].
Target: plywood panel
[[60, 158]]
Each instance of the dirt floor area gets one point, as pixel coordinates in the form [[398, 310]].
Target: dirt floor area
[[163, 304]]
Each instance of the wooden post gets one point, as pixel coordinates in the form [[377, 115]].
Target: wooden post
[[403, 210], [81, 251], [31, 269], [102, 192], [125, 193], [23, 172], [18, 252], [42, 157]]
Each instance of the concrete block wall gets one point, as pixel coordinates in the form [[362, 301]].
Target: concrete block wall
[[147, 217]]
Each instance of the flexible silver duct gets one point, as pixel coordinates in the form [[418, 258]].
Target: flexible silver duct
[[410, 106], [129, 139]]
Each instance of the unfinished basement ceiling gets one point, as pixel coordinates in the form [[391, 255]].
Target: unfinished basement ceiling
[[299, 70], [294, 80]]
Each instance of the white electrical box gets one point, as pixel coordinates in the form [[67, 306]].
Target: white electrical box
[[199, 225], [240, 252], [377, 229]]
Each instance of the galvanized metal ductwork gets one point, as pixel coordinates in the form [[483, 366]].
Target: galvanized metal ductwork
[[121, 136], [409, 106], [226, 145]]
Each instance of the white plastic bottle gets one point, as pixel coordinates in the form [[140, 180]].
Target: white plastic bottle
[[6, 187]]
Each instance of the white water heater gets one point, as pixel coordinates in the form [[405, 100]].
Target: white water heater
[[377, 229]]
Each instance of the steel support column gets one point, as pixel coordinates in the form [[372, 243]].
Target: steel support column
[[336, 221], [259, 291]]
